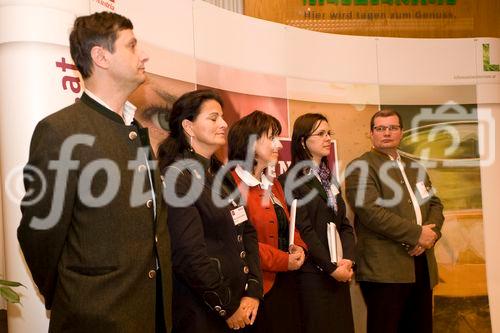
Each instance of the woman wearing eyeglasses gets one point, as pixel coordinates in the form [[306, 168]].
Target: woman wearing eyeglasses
[[255, 137], [215, 257], [323, 280]]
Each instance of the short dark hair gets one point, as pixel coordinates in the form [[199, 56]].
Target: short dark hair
[[256, 123], [385, 113], [185, 107], [98, 29], [303, 127]]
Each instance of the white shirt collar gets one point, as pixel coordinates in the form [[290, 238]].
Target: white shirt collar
[[249, 179], [128, 109], [129, 113], [398, 158]]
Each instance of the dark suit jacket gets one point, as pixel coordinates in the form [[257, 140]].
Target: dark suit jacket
[[215, 263], [96, 265], [312, 219], [386, 232]]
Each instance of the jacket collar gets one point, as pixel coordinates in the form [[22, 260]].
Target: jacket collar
[[384, 155], [249, 179], [97, 104], [205, 162]]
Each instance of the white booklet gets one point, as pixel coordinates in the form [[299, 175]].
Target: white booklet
[[334, 243], [291, 226]]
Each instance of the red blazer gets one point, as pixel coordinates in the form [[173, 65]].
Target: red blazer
[[261, 214]]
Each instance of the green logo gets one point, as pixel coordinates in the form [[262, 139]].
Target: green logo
[[487, 66], [377, 2]]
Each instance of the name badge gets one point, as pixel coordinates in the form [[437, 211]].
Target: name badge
[[334, 190], [239, 215], [422, 190]]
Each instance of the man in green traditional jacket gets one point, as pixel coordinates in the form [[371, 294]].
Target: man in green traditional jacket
[[398, 219], [93, 231]]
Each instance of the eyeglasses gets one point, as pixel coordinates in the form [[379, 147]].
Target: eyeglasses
[[323, 134], [382, 129]]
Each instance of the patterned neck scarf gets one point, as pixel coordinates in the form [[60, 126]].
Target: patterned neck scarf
[[325, 176]]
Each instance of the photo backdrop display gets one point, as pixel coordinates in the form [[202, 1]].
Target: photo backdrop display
[[286, 72]]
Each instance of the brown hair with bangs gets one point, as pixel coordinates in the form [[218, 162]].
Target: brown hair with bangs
[[257, 124]]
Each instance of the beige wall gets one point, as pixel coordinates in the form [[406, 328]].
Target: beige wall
[[490, 185], [2, 248]]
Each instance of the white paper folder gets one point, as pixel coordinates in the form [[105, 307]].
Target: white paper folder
[[291, 226], [334, 242]]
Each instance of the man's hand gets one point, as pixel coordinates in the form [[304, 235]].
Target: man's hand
[[428, 237], [416, 251]]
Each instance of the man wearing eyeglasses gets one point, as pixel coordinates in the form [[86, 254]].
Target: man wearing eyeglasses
[[398, 219]]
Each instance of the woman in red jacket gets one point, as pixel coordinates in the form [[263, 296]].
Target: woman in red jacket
[[254, 139]]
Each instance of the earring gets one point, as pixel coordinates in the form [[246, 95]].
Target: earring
[[191, 144]]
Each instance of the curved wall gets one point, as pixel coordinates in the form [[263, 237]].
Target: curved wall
[[254, 64]]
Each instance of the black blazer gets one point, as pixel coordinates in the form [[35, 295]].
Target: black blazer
[[312, 219], [215, 263]]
